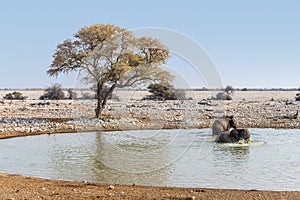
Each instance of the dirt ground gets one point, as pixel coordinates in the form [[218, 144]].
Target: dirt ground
[[21, 187], [250, 113]]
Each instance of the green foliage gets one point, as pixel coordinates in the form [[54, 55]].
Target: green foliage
[[54, 92], [164, 91], [14, 96], [244, 89]]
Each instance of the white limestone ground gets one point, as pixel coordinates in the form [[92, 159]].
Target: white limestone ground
[[250, 108]]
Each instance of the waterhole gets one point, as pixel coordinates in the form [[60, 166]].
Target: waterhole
[[179, 158]]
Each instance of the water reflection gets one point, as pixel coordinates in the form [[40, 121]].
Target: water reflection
[[96, 159], [128, 163], [127, 154], [67, 156], [234, 154], [181, 158]]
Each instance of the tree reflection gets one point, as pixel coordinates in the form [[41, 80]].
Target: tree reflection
[[127, 162]]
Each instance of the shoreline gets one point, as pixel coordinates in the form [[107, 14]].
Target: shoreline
[[24, 187], [251, 109], [65, 131]]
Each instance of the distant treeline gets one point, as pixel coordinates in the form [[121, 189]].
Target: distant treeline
[[185, 89], [39, 89], [246, 89], [271, 89]]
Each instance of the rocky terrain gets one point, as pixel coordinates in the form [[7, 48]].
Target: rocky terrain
[[269, 109], [266, 109]]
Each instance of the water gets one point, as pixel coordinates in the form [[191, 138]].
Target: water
[[180, 158]]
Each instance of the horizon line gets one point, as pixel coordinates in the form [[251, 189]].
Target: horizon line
[[187, 89]]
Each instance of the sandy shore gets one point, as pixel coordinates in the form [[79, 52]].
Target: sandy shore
[[30, 117], [20, 187]]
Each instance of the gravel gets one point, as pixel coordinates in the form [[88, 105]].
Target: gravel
[[77, 115]]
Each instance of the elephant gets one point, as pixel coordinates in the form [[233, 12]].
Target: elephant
[[223, 124], [233, 136]]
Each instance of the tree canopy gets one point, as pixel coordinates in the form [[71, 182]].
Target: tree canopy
[[110, 56]]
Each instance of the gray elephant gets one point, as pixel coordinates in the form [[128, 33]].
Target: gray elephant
[[223, 124], [233, 136]]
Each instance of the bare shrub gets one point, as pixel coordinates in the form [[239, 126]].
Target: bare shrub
[[229, 89], [72, 94], [54, 92], [87, 96], [297, 98]]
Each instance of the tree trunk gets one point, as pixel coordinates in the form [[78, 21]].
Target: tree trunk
[[101, 101], [99, 108], [110, 91]]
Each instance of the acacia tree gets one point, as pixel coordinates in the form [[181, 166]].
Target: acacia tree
[[109, 56]]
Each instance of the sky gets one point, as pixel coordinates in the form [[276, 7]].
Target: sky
[[253, 44]]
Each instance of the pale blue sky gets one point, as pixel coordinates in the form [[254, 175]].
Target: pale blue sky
[[253, 43]]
